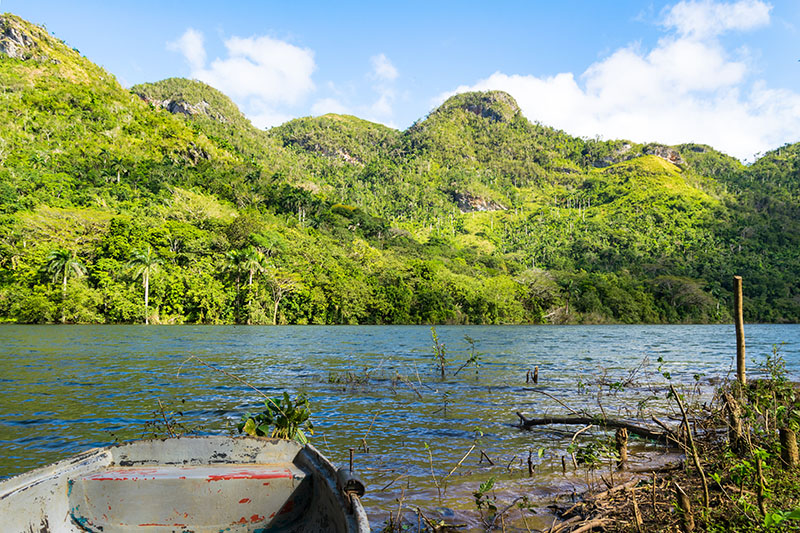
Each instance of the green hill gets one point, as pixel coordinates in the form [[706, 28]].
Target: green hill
[[472, 215]]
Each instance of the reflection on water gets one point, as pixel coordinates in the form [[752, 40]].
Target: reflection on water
[[374, 389]]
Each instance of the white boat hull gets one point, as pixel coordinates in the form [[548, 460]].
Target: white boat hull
[[189, 484]]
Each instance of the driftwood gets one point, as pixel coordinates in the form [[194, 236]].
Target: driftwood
[[641, 431], [613, 490], [590, 525]]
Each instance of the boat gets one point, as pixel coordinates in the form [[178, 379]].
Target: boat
[[187, 484]]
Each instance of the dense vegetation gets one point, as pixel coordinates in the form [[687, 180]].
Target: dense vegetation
[[164, 203]]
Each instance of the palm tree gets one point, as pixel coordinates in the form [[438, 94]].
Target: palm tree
[[252, 261], [59, 264], [234, 261], [119, 166], [144, 263]]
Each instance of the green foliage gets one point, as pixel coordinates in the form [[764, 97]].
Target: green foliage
[[484, 503], [753, 462], [473, 215], [283, 418], [473, 359], [776, 518]]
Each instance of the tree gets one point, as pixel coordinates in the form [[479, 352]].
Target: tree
[[144, 263], [281, 283], [59, 264], [119, 167], [252, 261], [234, 261]]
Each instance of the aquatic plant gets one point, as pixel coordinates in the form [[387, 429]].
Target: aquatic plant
[[439, 352], [283, 418]]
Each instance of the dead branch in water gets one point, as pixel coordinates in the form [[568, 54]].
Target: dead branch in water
[[642, 431]]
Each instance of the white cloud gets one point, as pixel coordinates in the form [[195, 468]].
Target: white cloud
[[705, 18], [385, 74], [384, 106], [687, 88], [264, 76], [329, 105], [382, 68], [191, 46]]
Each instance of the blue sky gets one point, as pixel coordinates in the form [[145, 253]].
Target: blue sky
[[724, 73]]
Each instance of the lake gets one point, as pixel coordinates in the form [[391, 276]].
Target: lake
[[372, 388]]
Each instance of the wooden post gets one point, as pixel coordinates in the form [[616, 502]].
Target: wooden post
[[535, 375], [739, 321], [684, 510], [735, 432], [622, 447], [789, 453]]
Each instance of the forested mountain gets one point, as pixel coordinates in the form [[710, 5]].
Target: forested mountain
[[164, 202]]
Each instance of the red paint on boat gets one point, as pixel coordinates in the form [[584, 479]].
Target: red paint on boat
[[244, 500], [248, 474]]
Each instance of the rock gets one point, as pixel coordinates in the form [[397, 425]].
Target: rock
[[14, 41], [624, 149], [664, 152], [174, 106], [183, 107], [468, 203]]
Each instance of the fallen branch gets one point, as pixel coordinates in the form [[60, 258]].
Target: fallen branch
[[591, 524], [561, 525], [621, 487], [695, 455], [642, 431]]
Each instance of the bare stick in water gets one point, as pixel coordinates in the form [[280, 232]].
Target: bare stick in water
[[739, 318], [237, 378]]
